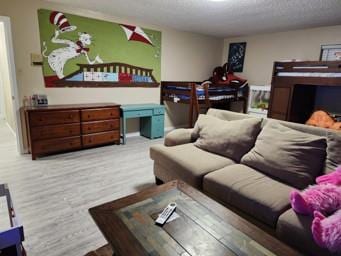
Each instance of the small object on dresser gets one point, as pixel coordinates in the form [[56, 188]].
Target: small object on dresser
[[26, 101], [39, 100]]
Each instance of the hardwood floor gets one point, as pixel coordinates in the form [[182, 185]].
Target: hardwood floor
[[52, 194]]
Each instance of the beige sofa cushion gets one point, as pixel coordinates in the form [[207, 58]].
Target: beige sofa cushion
[[333, 151], [232, 139], [187, 162], [291, 156], [295, 230], [250, 191]]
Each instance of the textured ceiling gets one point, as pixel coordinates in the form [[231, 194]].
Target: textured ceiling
[[221, 18]]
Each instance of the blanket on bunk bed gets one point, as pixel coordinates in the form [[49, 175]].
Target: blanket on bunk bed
[[225, 92]]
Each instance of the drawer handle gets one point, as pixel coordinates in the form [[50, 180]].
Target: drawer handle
[[70, 116], [89, 116]]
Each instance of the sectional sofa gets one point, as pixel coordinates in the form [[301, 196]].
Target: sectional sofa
[[251, 165]]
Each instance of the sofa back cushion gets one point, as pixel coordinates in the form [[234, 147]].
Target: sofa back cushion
[[291, 156], [333, 151], [232, 139], [227, 115]]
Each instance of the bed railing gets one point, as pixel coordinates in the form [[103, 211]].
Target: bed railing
[[308, 66]]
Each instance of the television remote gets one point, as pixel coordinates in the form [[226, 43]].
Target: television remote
[[166, 213]]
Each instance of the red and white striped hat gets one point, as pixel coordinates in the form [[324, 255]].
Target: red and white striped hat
[[59, 19]]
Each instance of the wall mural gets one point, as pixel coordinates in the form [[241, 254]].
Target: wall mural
[[84, 52]]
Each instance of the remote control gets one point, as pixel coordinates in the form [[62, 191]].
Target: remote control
[[166, 213]]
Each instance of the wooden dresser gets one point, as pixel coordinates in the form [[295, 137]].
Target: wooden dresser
[[59, 128]]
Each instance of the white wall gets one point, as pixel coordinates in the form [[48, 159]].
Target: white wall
[[5, 84], [263, 50], [185, 56]]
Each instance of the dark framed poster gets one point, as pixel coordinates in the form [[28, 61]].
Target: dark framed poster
[[236, 56]]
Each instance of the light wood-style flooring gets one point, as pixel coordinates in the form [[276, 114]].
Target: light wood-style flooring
[[52, 195]]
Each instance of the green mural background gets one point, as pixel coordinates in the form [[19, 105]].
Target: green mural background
[[109, 41]]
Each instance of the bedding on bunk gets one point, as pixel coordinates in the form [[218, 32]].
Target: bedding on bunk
[[201, 92], [308, 74]]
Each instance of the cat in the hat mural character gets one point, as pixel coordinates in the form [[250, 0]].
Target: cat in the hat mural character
[[58, 57]]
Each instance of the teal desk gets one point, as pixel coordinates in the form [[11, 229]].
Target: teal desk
[[151, 119]]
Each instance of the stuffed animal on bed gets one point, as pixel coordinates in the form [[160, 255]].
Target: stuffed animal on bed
[[327, 231], [224, 76], [323, 119]]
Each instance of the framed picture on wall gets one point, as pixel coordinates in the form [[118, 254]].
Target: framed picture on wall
[[330, 52], [259, 100], [236, 56]]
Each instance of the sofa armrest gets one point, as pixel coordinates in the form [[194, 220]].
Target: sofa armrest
[[178, 137]]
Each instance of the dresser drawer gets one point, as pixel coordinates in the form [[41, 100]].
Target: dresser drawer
[[100, 114], [55, 131], [138, 113], [55, 145], [100, 126], [53, 117], [100, 138]]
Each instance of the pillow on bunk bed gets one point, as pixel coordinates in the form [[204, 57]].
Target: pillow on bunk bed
[[232, 139]]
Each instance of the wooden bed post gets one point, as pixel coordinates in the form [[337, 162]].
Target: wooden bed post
[[245, 98], [191, 107], [161, 93], [207, 96], [195, 102]]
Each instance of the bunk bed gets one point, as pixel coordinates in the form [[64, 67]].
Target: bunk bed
[[294, 87], [203, 95]]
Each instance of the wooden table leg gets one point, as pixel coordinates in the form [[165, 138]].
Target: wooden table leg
[[124, 129]]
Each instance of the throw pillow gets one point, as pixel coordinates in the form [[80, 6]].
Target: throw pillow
[[232, 139], [333, 151], [293, 157]]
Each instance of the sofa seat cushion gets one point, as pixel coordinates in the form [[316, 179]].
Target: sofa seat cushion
[[188, 162], [291, 156], [295, 230], [249, 191]]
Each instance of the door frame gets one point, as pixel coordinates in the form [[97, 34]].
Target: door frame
[[2, 100], [13, 80]]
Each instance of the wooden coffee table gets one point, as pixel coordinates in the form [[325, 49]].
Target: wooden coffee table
[[204, 227]]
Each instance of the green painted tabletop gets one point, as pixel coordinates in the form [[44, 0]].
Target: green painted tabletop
[[128, 107]]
